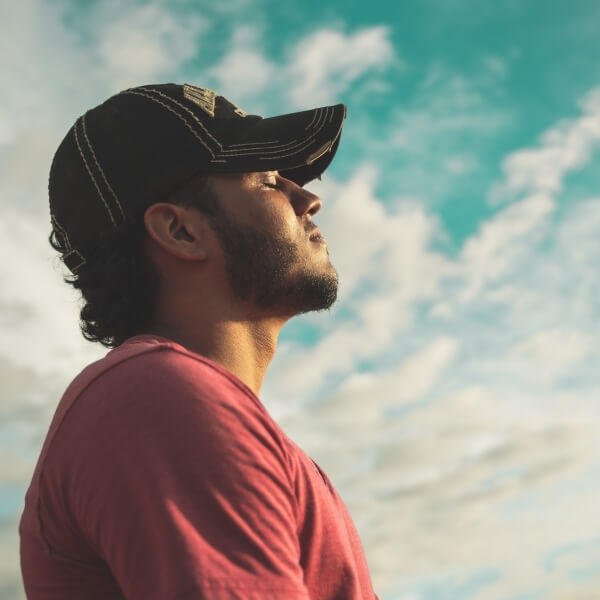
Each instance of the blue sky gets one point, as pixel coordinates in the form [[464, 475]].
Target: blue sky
[[452, 392]]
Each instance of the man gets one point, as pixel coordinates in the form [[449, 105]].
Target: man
[[186, 226]]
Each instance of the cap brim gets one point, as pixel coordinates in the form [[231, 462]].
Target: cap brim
[[299, 145]]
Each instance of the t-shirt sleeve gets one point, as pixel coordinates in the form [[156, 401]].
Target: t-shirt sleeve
[[180, 482]]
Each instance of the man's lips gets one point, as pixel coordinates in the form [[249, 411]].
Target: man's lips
[[316, 236]]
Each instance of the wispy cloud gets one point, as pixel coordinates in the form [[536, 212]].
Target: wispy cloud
[[245, 71], [143, 43], [563, 148], [407, 382], [324, 64], [317, 70], [434, 134], [500, 243], [446, 107], [548, 354]]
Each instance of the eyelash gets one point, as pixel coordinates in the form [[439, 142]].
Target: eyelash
[[274, 186]]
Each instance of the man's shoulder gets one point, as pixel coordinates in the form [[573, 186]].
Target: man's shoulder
[[154, 386], [147, 374], [145, 361]]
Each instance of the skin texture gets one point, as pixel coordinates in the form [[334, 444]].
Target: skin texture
[[228, 285]]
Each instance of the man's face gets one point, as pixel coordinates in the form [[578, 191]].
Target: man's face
[[264, 226]]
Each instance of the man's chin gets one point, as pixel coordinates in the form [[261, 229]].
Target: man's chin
[[317, 292], [310, 292]]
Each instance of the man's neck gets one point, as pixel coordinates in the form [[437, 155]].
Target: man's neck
[[244, 348]]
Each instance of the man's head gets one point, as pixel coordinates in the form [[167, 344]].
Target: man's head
[[163, 154], [259, 234]]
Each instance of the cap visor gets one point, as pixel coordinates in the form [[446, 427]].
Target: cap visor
[[298, 145]]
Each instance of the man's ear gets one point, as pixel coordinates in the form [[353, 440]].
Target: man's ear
[[178, 230]]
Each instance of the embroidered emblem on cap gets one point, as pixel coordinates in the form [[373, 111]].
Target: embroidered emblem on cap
[[239, 111], [203, 97]]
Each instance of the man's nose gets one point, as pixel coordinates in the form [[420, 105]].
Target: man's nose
[[305, 202]]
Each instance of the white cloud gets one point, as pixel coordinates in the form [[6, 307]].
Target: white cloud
[[244, 71], [144, 43], [445, 108], [41, 69], [495, 65], [363, 397], [325, 63], [459, 164], [546, 355], [318, 69], [417, 375], [500, 243], [40, 312], [421, 143], [563, 148], [10, 572]]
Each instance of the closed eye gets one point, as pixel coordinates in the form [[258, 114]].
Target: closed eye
[[269, 184]]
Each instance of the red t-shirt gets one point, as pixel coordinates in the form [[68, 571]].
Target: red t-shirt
[[163, 477]]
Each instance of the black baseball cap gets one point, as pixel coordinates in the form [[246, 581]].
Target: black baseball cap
[[143, 143]]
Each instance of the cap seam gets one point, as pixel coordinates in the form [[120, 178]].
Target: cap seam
[[191, 112], [91, 174], [173, 111], [70, 249], [87, 139]]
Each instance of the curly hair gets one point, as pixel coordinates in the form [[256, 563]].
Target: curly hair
[[119, 282]]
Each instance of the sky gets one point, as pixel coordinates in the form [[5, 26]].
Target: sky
[[452, 392]]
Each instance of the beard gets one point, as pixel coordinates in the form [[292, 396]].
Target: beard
[[264, 269]]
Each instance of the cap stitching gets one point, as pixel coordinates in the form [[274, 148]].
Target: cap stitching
[[87, 139], [254, 144], [178, 115], [70, 248], [259, 149], [309, 142], [286, 154], [91, 174], [61, 230], [315, 115], [191, 112], [278, 154]]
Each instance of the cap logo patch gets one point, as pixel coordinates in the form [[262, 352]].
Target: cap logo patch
[[240, 112], [202, 97]]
